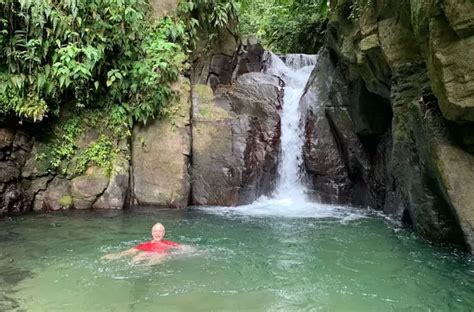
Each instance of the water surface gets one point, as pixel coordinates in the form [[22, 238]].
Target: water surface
[[247, 261]]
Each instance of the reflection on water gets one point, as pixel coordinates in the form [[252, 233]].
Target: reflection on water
[[257, 261]]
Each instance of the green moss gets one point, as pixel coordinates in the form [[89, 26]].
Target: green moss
[[66, 201], [205, 112], [101, 153], [69, 147], [204, 92]]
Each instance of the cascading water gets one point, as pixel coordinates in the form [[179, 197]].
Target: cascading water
[[295, 72]]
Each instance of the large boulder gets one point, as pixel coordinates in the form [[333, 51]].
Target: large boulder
[[236, 134], [85, 189], [58, 195], [336, 163], [116, 192], [160, 157]]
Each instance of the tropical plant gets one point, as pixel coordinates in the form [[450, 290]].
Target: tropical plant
[[88, 53]]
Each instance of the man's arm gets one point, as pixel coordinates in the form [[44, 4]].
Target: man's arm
[[119, 255], [185, 248]]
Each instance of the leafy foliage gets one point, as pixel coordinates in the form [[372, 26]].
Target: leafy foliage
[[204, 19], [285, 26], [60, 149], [95, 53], [101, 153]]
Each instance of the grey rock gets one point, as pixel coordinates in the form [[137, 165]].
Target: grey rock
[[235, 140], [160, 158], [87, 188], [58, 195]]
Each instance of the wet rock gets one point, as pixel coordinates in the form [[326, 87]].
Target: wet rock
[[407, 77], [450, 168], [336, 162], [419, 196], [9, 171], [6, 137], [13, 200]]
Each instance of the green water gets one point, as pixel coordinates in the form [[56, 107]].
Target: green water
[[244, 263]]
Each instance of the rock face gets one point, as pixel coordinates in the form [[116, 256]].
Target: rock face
[[26, 182], [163, 7], [161, 157], [85, 189], [15, 148], [114, 196], [58, 195], [389, 114], [235, 123], [229, 58], [235, 140]]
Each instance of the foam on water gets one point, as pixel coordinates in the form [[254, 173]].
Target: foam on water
[[288, 208]]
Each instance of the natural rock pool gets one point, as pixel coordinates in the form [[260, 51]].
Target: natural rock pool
[[262, 257]]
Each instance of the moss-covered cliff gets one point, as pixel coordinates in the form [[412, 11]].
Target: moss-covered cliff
[[404, 73]]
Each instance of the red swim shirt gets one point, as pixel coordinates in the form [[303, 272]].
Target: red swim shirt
[[159, 247]]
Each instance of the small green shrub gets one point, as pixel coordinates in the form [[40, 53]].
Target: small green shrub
[[66, 201], [100, 153]]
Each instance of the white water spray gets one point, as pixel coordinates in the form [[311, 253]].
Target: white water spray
[[295, 72]]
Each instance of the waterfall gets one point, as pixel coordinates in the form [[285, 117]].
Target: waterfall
[[289, 198], [294, 70]]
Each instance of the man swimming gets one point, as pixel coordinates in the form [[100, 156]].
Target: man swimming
[[154, 251]]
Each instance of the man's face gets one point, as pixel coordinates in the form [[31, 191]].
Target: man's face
[[158, 232]]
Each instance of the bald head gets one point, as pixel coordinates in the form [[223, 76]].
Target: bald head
[[158, 232]]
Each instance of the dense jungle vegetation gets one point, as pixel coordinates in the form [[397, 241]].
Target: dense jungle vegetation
[[110, 54], [105, 54], [107, 64], [285, 26]]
